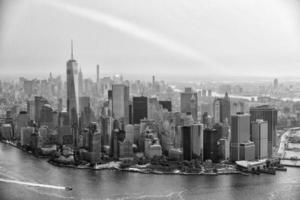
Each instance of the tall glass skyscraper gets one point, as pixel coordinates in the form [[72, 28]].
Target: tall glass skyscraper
[[140, 109], [269, 114], [72, 94]]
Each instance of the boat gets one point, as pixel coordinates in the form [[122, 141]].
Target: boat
[[68, 188]]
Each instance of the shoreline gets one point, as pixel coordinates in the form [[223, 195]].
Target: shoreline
[[129, 169], [141, 170], [146, 171]]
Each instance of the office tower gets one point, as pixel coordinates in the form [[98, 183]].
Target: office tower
[[223, 149], [22, 120], [107, 127], [166, 105], [189, 103], [129, 133], [224, 142], [85, 111], [137, 133], [167, 136], [94, 145], [240, 138], [120, 103], [38, 104], [30, 109], [46, 116], [187, 146], [140, 109], [211, 147], [197, 140], [94, 138], [259, 133], [72, 95], [117, 136], [221, 109], [192, 141], [268, 114], [109, 95], [80, 83], [247, 151], [130, 110]]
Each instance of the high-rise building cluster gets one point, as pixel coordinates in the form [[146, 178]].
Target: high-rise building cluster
[[112, 118]]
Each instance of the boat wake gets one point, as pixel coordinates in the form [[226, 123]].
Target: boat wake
[[32, 184], [14, 178]]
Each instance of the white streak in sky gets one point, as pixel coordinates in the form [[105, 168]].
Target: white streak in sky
[[136, 31]]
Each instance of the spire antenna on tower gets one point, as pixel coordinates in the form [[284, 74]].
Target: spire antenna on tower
[[72, 49]]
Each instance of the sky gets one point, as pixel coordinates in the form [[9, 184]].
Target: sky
[[143, 37]]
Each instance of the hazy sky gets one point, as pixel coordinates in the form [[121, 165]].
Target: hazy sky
[[145, 37]]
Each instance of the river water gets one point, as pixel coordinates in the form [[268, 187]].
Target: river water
[[109, 184]]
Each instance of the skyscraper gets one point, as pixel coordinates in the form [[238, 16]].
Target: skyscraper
[[140, 109], [85, 111], [39, 101], [268, 114], [240, 145], [72, 94], [187, 142], [221, 109], [189, 102], [197, 137], [211, 148], [120, 102], [259, 133], [192, 141]]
